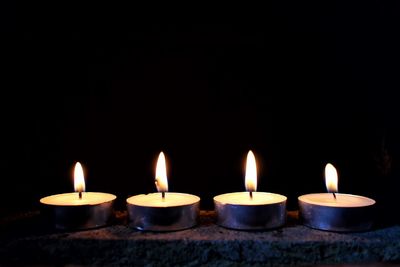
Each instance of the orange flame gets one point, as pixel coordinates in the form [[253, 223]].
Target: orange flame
[[331, 178], [251, 173], [79, 180], [161, 174]]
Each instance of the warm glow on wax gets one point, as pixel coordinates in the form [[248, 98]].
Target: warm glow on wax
[[331, 178], [161, 174], [251, 173], [79, 180]]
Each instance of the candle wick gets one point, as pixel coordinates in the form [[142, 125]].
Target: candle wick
[[334, 195], [251, 194], [163, 195], [80, 194]]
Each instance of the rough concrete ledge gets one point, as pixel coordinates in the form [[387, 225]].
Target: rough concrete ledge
[[24, 241]]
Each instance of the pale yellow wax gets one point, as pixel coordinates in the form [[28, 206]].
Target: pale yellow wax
[[342, 200], [155, 200], [243, 198], [72, 199]]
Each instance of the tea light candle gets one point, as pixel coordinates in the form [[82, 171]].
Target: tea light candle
[[250, 210], [163, 211], [79, 210], [336, 212]]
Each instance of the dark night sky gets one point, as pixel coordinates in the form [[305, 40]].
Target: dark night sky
[[300, 86]]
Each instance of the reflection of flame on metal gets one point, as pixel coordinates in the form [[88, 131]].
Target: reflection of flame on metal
[[161, 175], [251, 174], [79, 180]]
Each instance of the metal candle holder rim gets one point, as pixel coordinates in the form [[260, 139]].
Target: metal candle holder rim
[[337, 218], [112, 198], [171, 206], [284, 198], [338, 194], [164, 218]]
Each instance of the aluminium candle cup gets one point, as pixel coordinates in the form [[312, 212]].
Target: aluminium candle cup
[[78, 217], [261, 216], [145, 214], [337, 218]]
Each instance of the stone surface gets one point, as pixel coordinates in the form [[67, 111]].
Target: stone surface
[[25, 240]]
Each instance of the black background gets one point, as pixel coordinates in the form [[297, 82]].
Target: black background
[[112, 86]]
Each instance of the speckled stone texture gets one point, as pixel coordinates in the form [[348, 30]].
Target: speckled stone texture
[[24, 240]]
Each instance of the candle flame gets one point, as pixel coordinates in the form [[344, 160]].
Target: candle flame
[[251, 173], [79, 180], [161, 174], [331, 178]]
